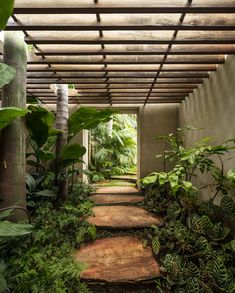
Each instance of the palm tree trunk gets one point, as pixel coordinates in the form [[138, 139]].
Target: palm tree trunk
[[62, 115], [12, 138]]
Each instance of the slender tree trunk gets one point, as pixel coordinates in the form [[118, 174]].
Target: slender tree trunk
[[110, 128], [12, 138], [62, 115]]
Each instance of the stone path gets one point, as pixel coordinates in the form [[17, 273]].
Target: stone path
[[121, 259], [117, 190], [130, 178], [118, 259], [116, 199], [122, 217]]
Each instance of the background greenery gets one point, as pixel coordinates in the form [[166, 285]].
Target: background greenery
[[113, 147]]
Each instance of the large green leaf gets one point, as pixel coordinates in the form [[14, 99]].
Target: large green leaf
[[38, 122], [46, 192], [3, 284], [6, 9], [5, 214], [9, 229], [7, 73], [72, 153], [8, 114], [88, 118]]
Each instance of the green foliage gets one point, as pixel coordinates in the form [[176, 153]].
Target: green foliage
[[72, 153], [195, 247], [113, 147], [12, 230], [42, 140], [7, 73], [39, 122], [6, 9], [87, 118], [8, 114], [9, 229], [46, 261], [156, 245]]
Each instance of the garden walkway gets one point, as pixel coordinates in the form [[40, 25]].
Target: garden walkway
[[119, 259]]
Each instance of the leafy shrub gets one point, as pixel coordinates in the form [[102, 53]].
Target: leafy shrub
[[45, 262], [195, 248]]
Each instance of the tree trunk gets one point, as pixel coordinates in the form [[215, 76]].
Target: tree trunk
[[12, 138], [62, 115]]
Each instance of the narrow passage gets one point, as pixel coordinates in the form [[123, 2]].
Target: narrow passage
[[118, 256]]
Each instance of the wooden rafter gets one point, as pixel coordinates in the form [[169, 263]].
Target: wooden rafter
[[135, 51]]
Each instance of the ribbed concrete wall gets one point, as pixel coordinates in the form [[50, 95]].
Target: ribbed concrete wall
[[212, 107]]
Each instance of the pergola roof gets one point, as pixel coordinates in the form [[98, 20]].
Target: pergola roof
[[124, 52]]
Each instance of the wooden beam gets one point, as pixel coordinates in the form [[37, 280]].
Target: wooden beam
[[74, 62], [97, 27], [126, 53], [192, 75], [127, 9], [128, 42], [58, 81], [51, 69]]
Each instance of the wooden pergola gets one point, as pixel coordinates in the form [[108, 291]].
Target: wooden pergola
[[123, 52]]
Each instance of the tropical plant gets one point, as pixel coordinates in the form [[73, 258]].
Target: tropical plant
[[113, 147], [195, 248], [9, 229], [42, 140], [8, 114], [6, 9], [46, 260]]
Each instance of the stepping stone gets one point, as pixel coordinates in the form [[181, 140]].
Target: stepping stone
[[124, 177], [116, 199], [117, 190], [118, 260], [122, 217]]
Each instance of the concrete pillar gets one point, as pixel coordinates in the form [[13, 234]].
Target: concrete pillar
[[12, 147], [154, 120]]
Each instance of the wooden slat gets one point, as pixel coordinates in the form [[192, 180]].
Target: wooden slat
[[127, 9], [137, 53], [97, 27], [70, 62], [173, 75], [52, 69], [127, 42], [58, 81]]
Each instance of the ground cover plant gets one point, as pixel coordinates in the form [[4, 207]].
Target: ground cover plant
[[44, 261], [195, 248]]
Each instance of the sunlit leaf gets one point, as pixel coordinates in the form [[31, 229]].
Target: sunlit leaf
[[8, 114], [9, 229], [7, 73], [6, 8]]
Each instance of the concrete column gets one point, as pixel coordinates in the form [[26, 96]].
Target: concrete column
[[154, 120], [12, 147]]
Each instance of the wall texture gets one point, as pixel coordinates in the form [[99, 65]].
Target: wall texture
[[212, 107], [160, 119]]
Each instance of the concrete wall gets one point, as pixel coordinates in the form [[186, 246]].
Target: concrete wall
[[212, 107], [159, 119]]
